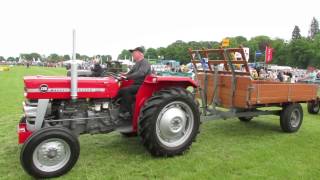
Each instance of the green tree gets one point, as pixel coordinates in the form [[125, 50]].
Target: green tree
[[257, 43], [178, 51], [280, 52], [125, 54], [296, 33], [66, 57], [77, 56], [237, 41], [315, 60], [84, 57], [106, 58], [151, 53], [11, 59], [54, 58], [314, 28], [300, 53], [161, 51]]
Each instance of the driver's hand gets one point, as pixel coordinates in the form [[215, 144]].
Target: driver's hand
[[123, 77]]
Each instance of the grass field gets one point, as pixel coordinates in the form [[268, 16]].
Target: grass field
[[224, 149]]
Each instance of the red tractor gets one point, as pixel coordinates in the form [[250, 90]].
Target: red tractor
[[166, 117]]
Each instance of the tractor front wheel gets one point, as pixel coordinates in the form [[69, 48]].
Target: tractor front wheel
[[169, 122], [50, 152]]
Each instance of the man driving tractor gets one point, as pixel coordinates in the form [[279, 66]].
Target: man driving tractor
[[138, 73]]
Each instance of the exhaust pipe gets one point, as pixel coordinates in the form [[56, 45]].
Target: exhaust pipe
[[74, 71]]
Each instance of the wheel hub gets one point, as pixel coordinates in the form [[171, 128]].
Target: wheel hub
[[51, 155], [316, 107], [174, 124], [295, 118]]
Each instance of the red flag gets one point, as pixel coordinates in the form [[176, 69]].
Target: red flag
[[268, 54]]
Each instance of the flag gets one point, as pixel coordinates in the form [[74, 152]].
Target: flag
[[268, 54], [258, 53]]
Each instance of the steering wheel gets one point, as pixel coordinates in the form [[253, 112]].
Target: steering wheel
[[116, 76]]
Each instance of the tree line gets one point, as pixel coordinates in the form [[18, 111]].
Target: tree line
[[299, 51], [54, 58]]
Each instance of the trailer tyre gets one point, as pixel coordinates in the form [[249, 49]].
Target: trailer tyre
[[245, 119], [169, 122], [313, 107], [291, 118], [50, 152]]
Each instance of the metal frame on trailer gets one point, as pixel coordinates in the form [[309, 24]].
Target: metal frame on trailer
[[210, 111]]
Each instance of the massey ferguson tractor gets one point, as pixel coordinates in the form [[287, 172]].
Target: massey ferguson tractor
[[166, 115]]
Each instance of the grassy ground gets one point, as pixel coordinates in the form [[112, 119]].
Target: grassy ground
[[224, 149]]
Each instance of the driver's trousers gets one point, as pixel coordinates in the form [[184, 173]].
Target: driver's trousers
[[127, 95]]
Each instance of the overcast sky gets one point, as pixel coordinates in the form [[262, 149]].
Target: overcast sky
[[107, 27]]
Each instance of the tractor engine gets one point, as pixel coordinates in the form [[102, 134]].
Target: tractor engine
[[81, 116], [51, 101]]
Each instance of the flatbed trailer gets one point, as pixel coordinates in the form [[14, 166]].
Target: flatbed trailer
[[244, 97]]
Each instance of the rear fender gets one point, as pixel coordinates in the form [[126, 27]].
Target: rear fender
[[153, 84]]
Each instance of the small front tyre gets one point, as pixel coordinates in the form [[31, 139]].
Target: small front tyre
[[291, 118], [50, 152]]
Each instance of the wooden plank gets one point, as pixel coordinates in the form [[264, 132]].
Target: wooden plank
[[281, 93]]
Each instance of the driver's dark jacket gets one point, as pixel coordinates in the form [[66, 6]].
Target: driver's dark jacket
[[97, 70], [139, 71]]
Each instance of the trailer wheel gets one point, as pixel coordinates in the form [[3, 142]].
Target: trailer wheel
[[291, 118], [245, 119], [50, 152], [169, 122], [313, 107]]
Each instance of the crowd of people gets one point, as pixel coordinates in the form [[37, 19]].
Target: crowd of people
[[290, 75], [261, 72]]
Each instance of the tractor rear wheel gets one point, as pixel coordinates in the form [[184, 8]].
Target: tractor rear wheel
[[129, 134], [291, 117], [169, 122], [314, 107], [50, 152]]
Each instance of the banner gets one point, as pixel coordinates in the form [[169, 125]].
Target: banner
[[258, 54], [246, 54], [268, 54], [225, 42]]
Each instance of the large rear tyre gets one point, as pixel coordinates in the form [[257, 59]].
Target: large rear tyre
[[129, 134], [313, 107], [50, 152], [169, 122], [291, 118]]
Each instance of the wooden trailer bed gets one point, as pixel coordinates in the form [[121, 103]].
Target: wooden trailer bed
[[236, 88], [254, 93], [224, 81]]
